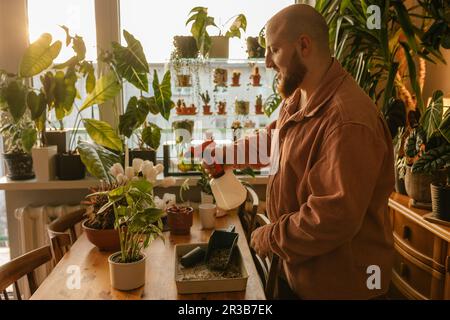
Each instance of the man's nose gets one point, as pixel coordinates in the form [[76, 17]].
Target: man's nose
[[268, 60]]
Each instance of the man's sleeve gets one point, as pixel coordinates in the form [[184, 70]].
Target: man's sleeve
[[342, 181]]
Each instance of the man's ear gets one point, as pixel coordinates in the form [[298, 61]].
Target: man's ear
[[304, 45]]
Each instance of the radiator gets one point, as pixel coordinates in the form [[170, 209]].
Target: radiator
[[33, 222]]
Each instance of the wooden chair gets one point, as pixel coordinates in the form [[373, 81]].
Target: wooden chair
[[267, 267], [12, 271], [247, 212], [62, 232]]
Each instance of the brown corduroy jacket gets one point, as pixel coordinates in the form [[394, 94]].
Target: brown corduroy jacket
[[328, 199]]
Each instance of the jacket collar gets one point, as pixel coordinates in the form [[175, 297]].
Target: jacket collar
[[330, 83]]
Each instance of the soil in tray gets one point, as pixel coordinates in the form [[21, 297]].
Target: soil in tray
[[201, 271]]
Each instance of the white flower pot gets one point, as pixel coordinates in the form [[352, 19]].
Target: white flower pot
[[206, 198], [44, 162], [126, 276]]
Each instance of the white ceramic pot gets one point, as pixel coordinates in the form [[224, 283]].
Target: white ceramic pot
[[126, 276], [219, 47], [207, 213], [44, 162], [206, 198]]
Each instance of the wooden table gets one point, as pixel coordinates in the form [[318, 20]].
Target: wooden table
[[160, 282]]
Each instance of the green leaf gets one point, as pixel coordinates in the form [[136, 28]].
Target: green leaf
[[142, 185], [130, 62], [235, 30], [36, 104], [151, 135], [90, 81], [29, 137], [106, 88], [134, 116], [432, 118], [163, 94], [39, 56], [15, 98], [103, 134], [406, 24], [97, 160], [389, 85], [444, 128]]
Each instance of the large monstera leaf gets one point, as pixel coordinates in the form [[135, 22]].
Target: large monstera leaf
[[130, 62], [39, 56], [103, 134], [98, 160], [106, 88]]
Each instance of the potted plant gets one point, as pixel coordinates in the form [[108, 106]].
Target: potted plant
[[137, 220], [185, 47], [235, 79], [242, 107], [206, 99], [427, 150], [254, 49], [180, 217], [259, 105], [18, 132], [222, 108], [255, 77], [215, 46]]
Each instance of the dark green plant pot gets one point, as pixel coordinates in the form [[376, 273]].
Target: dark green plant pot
[[440, 200], [185, 46], [70, 167], [142, 154], [19, 166], [418, 184]]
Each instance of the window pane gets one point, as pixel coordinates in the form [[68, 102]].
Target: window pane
[[46, 16], [155, 23]]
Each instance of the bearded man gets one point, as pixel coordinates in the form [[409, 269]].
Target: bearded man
[[328, 199]]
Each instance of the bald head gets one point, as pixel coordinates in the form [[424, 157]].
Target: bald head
[[299, 19]]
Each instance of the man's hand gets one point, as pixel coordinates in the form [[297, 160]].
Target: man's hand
[[257, 241]]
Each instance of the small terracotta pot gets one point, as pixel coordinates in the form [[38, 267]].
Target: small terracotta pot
[[104, 239], [180, 223]]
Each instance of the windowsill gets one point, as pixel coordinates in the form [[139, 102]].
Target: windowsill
[[9, 185]]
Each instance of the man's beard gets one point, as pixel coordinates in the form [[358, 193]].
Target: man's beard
[[292, 80]]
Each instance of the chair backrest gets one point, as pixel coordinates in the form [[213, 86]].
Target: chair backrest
[[267, 267], [247, 212], [15, 269], [62, 232]]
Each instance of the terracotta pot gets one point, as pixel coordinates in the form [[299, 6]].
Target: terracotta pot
[[104, 239], [126, 276], [219, 47], [180, 223], [207, 109], [418, 184]]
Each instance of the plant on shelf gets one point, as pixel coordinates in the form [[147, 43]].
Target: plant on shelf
[[201, 21], [256, 46], [180, 217], [427, 150], [242, 107], [259, 105], [137, 220], [222, 108], [235, 79], [19, 134], [57, 93], [206, 106]]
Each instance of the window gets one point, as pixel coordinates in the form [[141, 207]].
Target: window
[[155, 23], [46, 16]]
